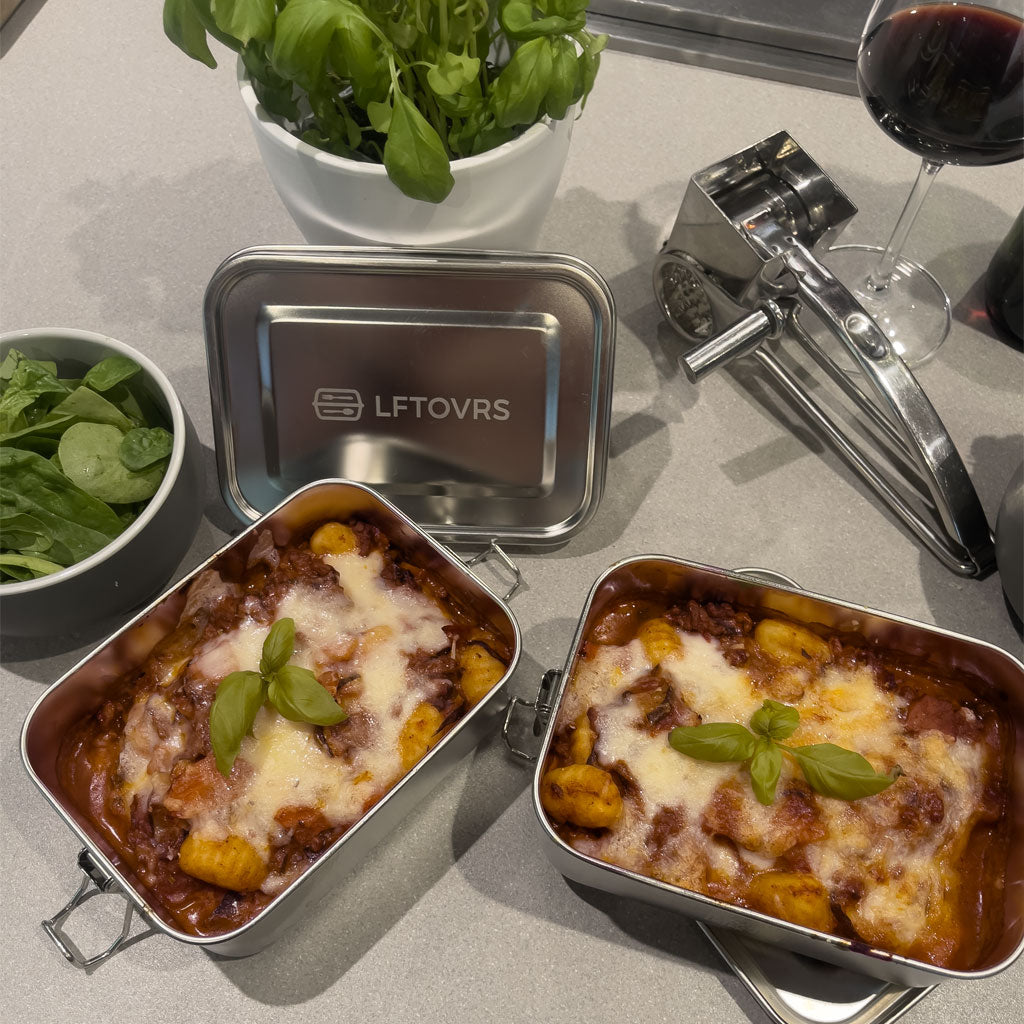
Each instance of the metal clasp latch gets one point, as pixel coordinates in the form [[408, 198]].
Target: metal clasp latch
[[541, 707], [94, 882], [494, 550]]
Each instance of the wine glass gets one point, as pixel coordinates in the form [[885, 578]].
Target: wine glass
[[946, 81]]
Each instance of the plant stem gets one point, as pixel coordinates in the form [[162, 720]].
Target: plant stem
[[878, 279]]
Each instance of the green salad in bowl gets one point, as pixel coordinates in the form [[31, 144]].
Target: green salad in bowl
[[100, 480], [79, 459]]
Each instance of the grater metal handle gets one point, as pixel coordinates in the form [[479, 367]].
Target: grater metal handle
[[836, 307], [765, 322]]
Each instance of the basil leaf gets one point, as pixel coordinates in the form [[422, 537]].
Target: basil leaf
[[559, 96], [379, 115], [775, 720], [589, 63], [278, 646], [453, 73], [245, 19], [110, 371], [518, 21], [239, 697], [765, 768], [184, 28], [716, 741], [414, 155], [297, 695], [523, 83], [840, 773], [144, 446], [301, 35]]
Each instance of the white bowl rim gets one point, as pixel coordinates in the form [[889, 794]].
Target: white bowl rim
[[39, 334], [533, 136]]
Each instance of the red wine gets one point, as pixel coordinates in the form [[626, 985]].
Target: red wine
[[945, 80], [1004, 285]]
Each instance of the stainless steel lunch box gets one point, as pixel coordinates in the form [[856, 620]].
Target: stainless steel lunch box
[[81, 690], [663, 576], [463, 396]]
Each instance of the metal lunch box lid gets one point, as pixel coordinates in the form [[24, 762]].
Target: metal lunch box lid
[[473, 389]]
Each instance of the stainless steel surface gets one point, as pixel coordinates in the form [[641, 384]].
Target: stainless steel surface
[[793, 989], [799, 41], [473, 389], [81, 690], [746, 236], [676, 579], [807, 26]]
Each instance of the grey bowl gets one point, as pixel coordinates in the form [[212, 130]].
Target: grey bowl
[[101, 589]]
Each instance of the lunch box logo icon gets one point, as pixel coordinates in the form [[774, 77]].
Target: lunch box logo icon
[[338, 404]]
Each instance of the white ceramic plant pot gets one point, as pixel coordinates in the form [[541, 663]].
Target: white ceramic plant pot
[[499, 200]]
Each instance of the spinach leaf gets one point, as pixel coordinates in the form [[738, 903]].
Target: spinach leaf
[[110, 371], [90, 457], [25, 567], [30, 381], [79, 523], [142, 447]]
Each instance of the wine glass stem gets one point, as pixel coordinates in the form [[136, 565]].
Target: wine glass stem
[[878, 279]]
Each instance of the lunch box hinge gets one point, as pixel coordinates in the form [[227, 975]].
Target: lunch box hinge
[[95, 881], [542, 712]]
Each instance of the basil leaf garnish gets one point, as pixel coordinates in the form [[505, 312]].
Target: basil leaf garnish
[[239, 697], [840, 773], [293, 691], [717, 741], [829, 769], [297, 696], [765, 768], [775, 720], [278, 646]]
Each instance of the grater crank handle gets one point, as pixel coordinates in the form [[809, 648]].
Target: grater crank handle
[[767, 321]]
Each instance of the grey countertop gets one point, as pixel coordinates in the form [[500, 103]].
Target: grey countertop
[[127, 173]]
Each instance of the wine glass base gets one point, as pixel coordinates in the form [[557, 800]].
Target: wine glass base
[[913, 312]]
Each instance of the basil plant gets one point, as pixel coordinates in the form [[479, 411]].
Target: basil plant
[[412, 85]]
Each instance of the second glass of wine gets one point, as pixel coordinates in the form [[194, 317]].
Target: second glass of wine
[[946, 81]]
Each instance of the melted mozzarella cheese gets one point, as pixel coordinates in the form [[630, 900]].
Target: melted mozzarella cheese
[[900, 865], [284, 764]]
